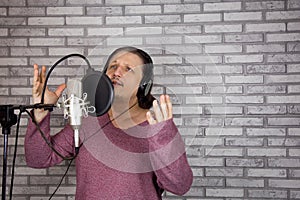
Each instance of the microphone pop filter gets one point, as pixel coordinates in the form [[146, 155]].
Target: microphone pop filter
[[99, 90]]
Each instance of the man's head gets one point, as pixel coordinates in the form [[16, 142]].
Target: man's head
[[131, 71]]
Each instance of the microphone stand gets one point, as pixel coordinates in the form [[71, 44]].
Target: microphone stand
[[7, 120]]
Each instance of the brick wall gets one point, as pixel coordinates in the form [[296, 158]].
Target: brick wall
[[232, 68]]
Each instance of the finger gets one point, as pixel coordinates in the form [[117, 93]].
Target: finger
[[163, 106], [60, 89], [169, 106], [43, 75], [35, 73], [150, 118], [157, 111]]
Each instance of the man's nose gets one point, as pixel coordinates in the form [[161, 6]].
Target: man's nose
[[118, 71]]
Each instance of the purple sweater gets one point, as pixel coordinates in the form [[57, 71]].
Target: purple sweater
[[137, 163]]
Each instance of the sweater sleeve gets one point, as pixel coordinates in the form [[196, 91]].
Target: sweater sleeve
[[37, 152], [168, 158]]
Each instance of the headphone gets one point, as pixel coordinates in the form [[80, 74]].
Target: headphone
[[146, 83]]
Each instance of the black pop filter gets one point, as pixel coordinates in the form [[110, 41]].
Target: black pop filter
[[99, 90]]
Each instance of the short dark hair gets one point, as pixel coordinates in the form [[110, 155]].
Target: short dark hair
[[144, 96]]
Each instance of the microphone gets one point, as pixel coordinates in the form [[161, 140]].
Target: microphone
[[75, 107]]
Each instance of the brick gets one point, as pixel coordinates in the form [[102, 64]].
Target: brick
[[216, 182], [294, 173], [203, 39], [223, 131], [84, 2], [283, 37], [45, 3], [162, 1], [224, 90], [243, 58], [227, 6], [283, 162], [149, 9], [194, 151], [286, 142], [223, 48], [212, 121], [207, 59], [293, 89], [266, 109], [293, 4], [45, 21], [203, 100], [280, 89], [294, 152], [26, 11], [28, 171], [244, 162], [224, 69], [84, 21], [226, 192], [56, 51], [43, 61], [181, 70], [164, 40], [203, 79], [240, 182], [16, 61], [104, 31], [21, 190], [267, 173], [104, 10], [295, 194], [229, 28], [12, 3], [3, 52], [283, 121], [46, 41], [281, 183], [207, 17], [265, 69], [66, 31], [192, 192], [283, 99], [282, 15], [247, 121], [167, 60], [128, 2], [28, 32], [265, 5], [12, 21], [63, 190], [162, 19], [243, 16], [283, 78], [64, 10], [184, 90], [244, 99], [226, 172], [283, 58], [12, 100], [244, 142], [124, 20], [219, 110], [143, 31], [182, 110], [294, 109], [168, 80], [3, 32], [294, 131], [244, 38], [28, 51], [270, 194], [265, 48], [224, 152], [257, 132], [181, 8], [293, 26], [244, 79], [293, 46], [4, 91], [183, 29], [206, 162]]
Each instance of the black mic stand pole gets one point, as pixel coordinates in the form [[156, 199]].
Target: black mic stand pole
[[7, 120]]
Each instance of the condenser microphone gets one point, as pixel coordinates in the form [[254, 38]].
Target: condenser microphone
[[75, 107]]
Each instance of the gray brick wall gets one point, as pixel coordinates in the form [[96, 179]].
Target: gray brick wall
[[232, 69]]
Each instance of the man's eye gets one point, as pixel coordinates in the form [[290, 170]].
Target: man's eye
[[129, 69], [113, 67]]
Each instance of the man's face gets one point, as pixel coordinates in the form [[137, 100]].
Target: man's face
[[125, 72]]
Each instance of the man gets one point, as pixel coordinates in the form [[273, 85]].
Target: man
[[128, 153]]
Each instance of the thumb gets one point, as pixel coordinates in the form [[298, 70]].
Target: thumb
[[60, 89]]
